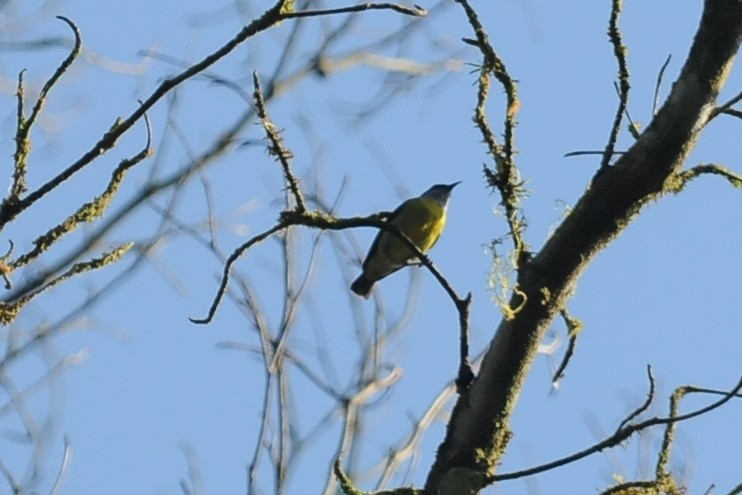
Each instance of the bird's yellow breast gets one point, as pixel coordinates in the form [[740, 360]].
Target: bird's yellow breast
[[422, 220]]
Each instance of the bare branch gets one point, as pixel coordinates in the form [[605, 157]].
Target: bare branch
[[277, 149], [318, 220], [679, 180], [410, 446], [9, 311], [66, 63], [415, 11], [574, 327], [271, 17], [478, 432], [63, 468], [658, 84], [23, 125], [15, 486], [725, 107], [506, 177], [90, 211], [619, 51], [228, 268], [622, 434], [644, 406]]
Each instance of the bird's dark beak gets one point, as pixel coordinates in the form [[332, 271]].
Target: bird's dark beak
[[451, 186]]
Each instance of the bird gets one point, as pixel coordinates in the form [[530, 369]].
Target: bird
[[422, 220]]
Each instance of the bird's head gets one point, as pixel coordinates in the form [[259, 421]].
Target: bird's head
[[440, 193]]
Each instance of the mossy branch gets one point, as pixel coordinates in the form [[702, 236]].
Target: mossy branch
[[22, 148], [619, 51], [271, 17], [677, 182], [347, 487], [89, 211], [663, 481], [10, 310], [627, 430], [276, 148], [614, 198], [23, 124], [505, 177]]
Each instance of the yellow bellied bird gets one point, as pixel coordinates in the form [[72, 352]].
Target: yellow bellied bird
[[422, 220]]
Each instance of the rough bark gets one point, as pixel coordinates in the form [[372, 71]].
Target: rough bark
[[478, 430]]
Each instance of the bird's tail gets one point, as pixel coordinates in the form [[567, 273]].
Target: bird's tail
[[362, 286]]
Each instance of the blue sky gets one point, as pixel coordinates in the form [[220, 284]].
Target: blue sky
[[665, 293]]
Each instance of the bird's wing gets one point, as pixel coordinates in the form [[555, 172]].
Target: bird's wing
[[383, 233]]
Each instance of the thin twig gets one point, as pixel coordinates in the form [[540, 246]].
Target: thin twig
[[574, 327], [121, 126], [410, 446], [644, 406], [725, 107], [228, 268], [66, 63], [618, 437], [63, 468], [589, 153], [465, 374], [506, 177], [681, 179], [90, 211], [15, 486], [318, 220], [619, 51], [633, 128], [271, 17], [263, 433], [22, 147], [733, 113], [276, 148], [24, 125], [415, 10], [293, 296], [660, 75]]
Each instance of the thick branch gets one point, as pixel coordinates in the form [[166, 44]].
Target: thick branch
[[477, 432]]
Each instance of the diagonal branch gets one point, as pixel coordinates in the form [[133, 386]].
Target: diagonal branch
[[626, 431], [274, 15], [725, 107], [681, 179], [478, 431], [319, 220]]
